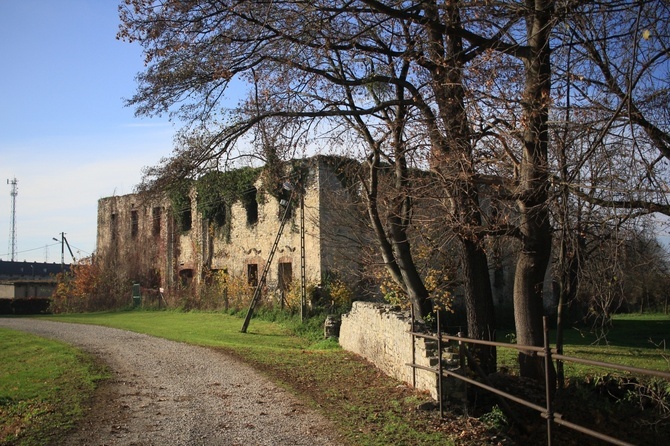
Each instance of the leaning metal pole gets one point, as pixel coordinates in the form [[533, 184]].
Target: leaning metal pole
[[261, 281]]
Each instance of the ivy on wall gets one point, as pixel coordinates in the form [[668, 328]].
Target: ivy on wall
[[217, 191], [347, 170], [294, 172], [179, 195]]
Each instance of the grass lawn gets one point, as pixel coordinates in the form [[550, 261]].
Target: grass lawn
[[44, 386], [636, 340]]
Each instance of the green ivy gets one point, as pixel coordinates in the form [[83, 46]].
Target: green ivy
[[297, 171], [180, 199], [217, 191]]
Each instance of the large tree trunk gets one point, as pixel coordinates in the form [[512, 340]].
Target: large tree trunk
[[528, 287], [416, 290], [393, 242], [453, 157], [479, 303], [535, 227]]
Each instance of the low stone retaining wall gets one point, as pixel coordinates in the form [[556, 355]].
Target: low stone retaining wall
[[382, 336]]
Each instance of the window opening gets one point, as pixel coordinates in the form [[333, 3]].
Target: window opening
[[252, 274], [156, 219], [134, 223], [284, 203], [185, 217], [285, 275], [251, 206], [186, 277]]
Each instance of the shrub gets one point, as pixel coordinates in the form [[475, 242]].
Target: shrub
[[86, 287]]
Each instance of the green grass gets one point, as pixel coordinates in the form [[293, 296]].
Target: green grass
[[636, 340], [198, 328], [44, 386]]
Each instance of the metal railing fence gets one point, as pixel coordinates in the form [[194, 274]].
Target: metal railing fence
[[549, 354]]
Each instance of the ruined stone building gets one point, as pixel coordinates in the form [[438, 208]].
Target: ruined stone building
[[231, 227], [145, 238]]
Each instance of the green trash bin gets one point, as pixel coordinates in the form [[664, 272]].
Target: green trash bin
[[137, 297]]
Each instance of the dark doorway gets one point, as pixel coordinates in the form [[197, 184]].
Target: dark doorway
[[252, 274], [285, 276]]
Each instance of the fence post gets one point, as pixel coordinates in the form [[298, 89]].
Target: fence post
[[439, 364], [461, 347], [413, 338], [547, 380]]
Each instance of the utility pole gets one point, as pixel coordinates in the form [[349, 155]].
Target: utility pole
[[62, 250], [63, 243], [12, 225], [303, 279], [68, 248]]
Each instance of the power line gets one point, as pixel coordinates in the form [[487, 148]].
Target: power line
[[80, 250], [76, 248], [30, 250]]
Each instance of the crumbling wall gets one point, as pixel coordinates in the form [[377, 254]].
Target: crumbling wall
[[140, 236], [251, 244], [132, 239], [382, 336]]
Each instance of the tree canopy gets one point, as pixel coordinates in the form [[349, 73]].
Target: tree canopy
[[528, 112]]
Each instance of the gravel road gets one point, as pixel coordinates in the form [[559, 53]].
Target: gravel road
[[168, 393]]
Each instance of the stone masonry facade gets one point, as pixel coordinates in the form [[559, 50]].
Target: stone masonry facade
[[381, 334], [142, 237]]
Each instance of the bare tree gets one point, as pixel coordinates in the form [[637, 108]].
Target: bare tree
[[325, 65], [610, 138], [461, 88]]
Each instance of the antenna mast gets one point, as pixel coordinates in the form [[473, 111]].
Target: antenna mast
[[12, 226]]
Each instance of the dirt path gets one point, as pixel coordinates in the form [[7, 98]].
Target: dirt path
[[168, 393]]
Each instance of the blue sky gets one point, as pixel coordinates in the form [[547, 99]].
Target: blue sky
[[64, 131]]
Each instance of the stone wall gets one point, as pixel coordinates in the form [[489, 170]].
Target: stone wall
[[141, 237], [382, 336], [133, 236], [251, 244]]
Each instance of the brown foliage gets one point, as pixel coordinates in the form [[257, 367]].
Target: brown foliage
[[87, 287]]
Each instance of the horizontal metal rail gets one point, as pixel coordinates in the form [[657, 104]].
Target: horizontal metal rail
[[621, 367], [549, 354], [591, 433], [540, 352]]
